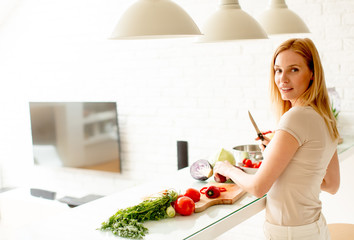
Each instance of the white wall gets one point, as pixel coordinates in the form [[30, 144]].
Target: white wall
[[167, 90]]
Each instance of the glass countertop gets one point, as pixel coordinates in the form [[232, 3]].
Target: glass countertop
[[348, 142]]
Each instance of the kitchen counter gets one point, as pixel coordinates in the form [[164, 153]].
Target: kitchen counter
[[82, 222], [345, 149]]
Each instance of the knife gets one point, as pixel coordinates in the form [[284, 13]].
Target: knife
[[260, 135]]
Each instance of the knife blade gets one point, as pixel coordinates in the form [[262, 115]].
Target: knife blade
[[259, 133]]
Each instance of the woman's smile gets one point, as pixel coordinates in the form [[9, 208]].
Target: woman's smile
[[285, 90]]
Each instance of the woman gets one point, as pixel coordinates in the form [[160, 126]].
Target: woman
[[301, 159]]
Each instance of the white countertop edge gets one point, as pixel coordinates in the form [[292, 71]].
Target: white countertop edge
[[227, 223]]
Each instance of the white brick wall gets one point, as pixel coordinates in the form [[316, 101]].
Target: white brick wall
[[167, 90]]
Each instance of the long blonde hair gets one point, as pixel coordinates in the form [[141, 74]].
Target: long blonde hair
[[316, 95]]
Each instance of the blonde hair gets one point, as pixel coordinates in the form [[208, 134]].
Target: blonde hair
[[316, 95]]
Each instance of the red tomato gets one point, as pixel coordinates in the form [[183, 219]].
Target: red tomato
[[248, 163], [173, 203], [219, 178], [184, 206], [194, 194]]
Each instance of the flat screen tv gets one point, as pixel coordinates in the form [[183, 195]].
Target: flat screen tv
[[81, 135]]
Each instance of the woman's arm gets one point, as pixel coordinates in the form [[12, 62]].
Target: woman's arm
[[279, 152], [331, 181]]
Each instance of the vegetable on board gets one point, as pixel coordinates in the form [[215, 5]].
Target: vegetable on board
[[212, 191], [194, 194]]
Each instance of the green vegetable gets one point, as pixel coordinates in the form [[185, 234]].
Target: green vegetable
[[171, 212], [223, 155], [127, 222]]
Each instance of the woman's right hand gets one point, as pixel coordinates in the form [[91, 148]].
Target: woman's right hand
[[266, 140]]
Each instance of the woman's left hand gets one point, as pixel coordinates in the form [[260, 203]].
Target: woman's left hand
[[223, 168]]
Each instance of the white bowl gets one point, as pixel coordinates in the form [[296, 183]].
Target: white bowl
[[250, 170]]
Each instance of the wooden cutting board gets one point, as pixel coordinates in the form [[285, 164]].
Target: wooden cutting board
[[232, 194]]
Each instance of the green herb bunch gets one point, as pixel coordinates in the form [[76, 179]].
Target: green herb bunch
[[127, 222]]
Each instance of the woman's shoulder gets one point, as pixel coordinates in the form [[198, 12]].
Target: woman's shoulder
[[300, 111], [300, 115]]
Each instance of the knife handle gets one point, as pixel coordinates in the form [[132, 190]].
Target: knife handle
[[260, 135]]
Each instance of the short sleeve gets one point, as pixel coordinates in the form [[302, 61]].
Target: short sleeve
[[295, 122]]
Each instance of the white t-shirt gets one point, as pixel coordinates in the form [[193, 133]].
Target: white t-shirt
[[293, 199]]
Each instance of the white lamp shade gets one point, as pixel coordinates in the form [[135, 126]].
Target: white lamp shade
[[155, 19], [278, 19], [230, 23]]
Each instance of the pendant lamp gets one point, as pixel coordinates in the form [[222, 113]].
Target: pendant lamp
[[279, 19], [155, 19], [230, 23]]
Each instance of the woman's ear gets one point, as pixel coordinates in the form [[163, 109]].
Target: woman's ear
[[311, 80], [310, 84]]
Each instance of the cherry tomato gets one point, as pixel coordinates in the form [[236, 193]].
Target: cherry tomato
[[184, 206], [194, 194], [248, 163]]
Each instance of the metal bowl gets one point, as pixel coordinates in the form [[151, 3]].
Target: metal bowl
[[251, 151]]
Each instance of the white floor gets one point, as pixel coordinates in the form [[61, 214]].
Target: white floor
[[337, 208]]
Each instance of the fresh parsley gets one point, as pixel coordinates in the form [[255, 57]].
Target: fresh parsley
[[127, 222]]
